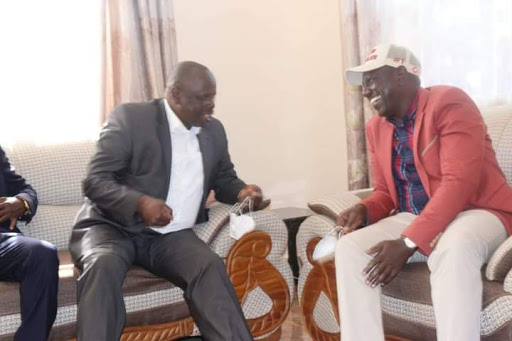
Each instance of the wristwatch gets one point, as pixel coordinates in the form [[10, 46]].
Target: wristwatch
[[409, 243], [25, 203]]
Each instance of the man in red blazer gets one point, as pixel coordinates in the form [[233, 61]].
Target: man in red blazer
[[440, 197]]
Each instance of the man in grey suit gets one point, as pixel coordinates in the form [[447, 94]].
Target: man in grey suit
[[147, 185]]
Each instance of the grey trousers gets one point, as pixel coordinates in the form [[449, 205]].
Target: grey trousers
[[104, 254]]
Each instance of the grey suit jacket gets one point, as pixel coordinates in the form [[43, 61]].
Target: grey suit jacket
[[134, 158]]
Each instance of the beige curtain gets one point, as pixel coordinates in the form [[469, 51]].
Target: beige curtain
[[357, 37], [139, 50]]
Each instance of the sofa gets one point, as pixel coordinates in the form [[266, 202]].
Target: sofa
[[406, 301], [257, 263]]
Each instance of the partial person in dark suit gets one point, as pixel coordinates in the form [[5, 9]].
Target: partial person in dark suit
[[31, 262], [146, 187]]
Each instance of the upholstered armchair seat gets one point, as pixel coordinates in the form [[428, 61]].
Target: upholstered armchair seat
[[156, 310], [406, 301]]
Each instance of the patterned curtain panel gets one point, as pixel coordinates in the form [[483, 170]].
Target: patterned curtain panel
[[139, 42], [357, 37], [466, 43]]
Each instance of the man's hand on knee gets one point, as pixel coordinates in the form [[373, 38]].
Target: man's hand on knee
[[390, 257]]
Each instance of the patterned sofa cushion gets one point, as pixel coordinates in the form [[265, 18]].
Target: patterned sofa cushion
[[218, 216], [499, 124], [332, 205], [55, 171], [148, 299], [500, 263], [407, 298], [53, 224], [507, 283]]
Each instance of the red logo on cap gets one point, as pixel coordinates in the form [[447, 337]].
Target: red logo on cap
[[398, 60], [372, 57], [415, 69]]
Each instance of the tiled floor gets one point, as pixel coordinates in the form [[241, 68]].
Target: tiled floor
[[292, 329]]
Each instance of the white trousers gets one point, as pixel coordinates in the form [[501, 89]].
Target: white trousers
[[455, 277]]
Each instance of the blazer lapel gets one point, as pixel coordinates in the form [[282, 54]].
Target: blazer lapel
[[206, 147], [387, 130], [164, 135], [418, 124]]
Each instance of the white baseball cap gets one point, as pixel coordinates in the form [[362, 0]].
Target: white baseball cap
[[381, 55]]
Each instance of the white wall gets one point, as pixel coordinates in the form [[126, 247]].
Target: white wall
[[279, 85]]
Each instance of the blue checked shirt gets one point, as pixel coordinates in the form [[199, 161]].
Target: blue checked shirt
[[411, 194]]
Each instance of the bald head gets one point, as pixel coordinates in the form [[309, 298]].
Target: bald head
[[191, 92], [186, 72]]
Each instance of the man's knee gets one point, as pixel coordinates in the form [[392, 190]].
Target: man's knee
[[346, 247], [43, 255], [101, 264], [459, 255], [214, 262]]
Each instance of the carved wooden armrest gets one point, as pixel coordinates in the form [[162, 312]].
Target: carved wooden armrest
[[248, 268], [321, 278], [162, 332]]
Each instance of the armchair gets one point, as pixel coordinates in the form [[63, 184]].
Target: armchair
[[156, 310], [406, 301]]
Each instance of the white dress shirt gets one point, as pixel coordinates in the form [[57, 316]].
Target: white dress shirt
[[187, 177]]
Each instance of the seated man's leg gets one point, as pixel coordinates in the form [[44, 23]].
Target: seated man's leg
[[359, 304], [34, 263], [182, 258], [456, 279], [104, 254]]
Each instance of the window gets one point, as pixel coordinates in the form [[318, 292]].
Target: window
[[50, 80], [466, 43]]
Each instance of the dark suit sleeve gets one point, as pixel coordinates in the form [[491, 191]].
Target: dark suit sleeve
[[18, 187], [226, 183], [104, 183]]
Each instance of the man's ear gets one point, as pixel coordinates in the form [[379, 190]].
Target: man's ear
[[174, 94]]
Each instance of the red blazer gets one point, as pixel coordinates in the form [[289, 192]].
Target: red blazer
[[455, 161]]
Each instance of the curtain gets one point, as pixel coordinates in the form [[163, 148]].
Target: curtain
[[357, 37], [139, 43], [465, 43]]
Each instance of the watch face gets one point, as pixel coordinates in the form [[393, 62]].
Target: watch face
[[409, 243]]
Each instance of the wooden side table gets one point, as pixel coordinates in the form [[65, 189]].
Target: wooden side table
[[293, 217]]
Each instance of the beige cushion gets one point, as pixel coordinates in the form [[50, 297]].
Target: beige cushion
[[408, 312], [53, 224], [500, 263], [499, 124], [138, 284], [332, 205], [507, 284], [218, 216], [55, 171]]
